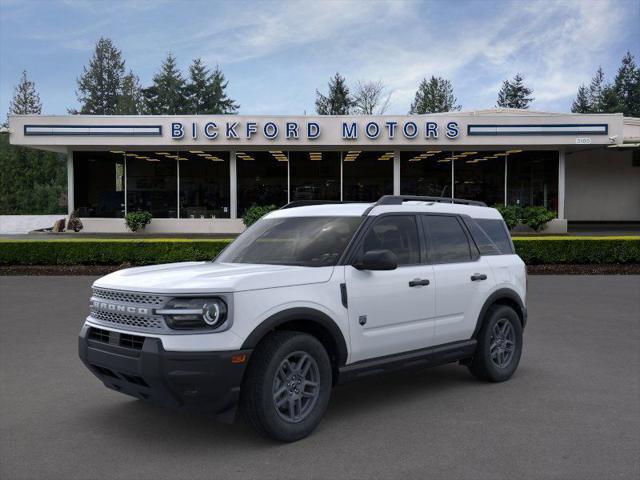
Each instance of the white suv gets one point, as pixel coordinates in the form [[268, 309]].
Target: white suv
[[309, 297]]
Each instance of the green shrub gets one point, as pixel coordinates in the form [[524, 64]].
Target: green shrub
[[537, 217], [534, 217], [137, 220], [255, 213], [74, 251]]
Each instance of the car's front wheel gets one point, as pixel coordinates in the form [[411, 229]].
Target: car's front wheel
[[287, 386], [499, 345]]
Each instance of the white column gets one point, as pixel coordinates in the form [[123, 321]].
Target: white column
[[396, 172], [177, 188], [70, 186], [561, 177], [453, 176], [506, 172], [233, 185], [341, 176]]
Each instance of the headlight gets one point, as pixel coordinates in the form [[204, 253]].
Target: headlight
[[195, 313]]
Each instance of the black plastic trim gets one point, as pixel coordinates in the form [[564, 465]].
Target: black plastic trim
[[503, 293], [300, 314], [206, 382], [426, 357]]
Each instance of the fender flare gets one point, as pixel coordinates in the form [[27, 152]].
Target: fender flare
[[300, 314], [501, 294]]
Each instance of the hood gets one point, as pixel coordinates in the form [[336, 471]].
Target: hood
[[210, 277]]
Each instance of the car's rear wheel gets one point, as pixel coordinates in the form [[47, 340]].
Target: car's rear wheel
[[499, 345], [287, 387]]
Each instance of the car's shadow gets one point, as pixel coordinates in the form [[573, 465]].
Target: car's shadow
[[134, 420]]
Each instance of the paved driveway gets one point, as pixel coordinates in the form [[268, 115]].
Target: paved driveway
[[571, 411]]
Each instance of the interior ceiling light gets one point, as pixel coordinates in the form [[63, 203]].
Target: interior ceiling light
[[434, 151], [152, 160], [514, 151], [131, 154], [444, 160], [141, 157], [116, 151], [162, 153], [500, 154], [196, 151]]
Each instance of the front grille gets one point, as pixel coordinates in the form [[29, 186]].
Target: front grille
[[128, 297], [138, 321], [99, 335], [131, 341]]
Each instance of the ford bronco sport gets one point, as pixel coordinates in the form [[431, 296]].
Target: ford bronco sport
[[309, 297]]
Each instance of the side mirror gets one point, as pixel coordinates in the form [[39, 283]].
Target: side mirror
[[377, 260]]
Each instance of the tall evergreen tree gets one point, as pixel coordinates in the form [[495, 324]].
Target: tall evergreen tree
[[130, 101], [514, 94], [581, 104], [219, 102], [25, 99], [433, 96], [167, 95], [31, 181], [206, 92], [338, 100], [627, 86], [596, 91], [100, 85]]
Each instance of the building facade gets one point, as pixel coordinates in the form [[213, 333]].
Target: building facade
[[201, 173]]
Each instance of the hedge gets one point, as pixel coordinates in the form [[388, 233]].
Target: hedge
[[533, 250], [107, 252]]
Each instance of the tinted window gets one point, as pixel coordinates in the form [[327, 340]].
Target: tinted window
[[303, 241], [497, 232], [448, 240], [484, 243], [397, 233]]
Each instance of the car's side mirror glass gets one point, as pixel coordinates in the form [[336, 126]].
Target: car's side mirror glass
[[377, 260]]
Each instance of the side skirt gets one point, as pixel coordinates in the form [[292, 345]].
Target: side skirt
[[426, 357]]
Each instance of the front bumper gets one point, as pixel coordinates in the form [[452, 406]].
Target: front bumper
[[207, 382]]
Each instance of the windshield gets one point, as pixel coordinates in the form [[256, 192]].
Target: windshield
[[304, 241]]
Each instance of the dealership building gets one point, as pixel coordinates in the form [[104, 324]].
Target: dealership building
[[200, 173]]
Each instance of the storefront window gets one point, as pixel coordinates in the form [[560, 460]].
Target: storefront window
[[426, 172], [99, 184], [366, 176], [204, 184], [479, 175], [315, 175], [532, 179], [262, 179], [152, 183]]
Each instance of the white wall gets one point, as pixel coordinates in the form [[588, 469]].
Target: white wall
[[13, 224], [602, 185], [166, 225]]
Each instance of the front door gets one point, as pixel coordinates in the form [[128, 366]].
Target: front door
[[391, 311]]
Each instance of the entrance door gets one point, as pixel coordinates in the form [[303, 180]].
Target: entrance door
[[391, 311]]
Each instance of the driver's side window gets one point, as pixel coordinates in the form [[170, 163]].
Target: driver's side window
[[397, 233]]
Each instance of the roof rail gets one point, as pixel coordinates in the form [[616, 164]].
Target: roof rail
[[400, 199], [307, 203]]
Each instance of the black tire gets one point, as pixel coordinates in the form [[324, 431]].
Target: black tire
[[257, 397], [486, 363]]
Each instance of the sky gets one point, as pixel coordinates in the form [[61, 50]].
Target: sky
[[276, 54]]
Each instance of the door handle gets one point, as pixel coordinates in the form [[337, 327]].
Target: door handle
[[478, 276], [418, 282]]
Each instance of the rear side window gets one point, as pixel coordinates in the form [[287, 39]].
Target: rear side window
[[448, 242], [486, 246], [498, 233], [398, 233]]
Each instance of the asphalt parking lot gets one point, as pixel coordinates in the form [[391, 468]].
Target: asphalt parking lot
[[571, 411]]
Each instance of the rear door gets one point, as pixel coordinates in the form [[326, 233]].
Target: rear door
[[462, 277], [391, 311]]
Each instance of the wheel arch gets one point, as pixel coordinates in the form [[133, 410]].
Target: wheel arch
[[503, 296], [306, 320]]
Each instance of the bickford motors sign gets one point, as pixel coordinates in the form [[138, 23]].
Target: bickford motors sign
[[294, 130]]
